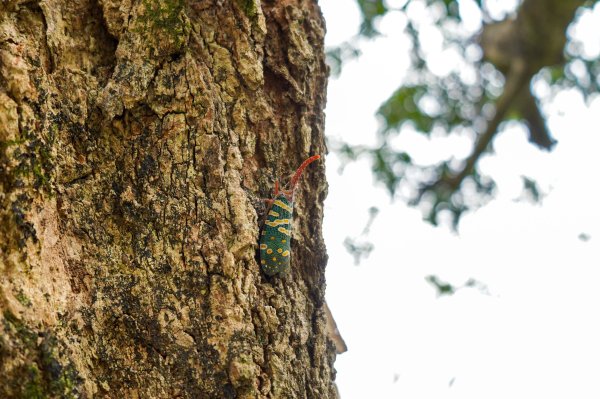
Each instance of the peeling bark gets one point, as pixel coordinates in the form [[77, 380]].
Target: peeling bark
[[136, 138]]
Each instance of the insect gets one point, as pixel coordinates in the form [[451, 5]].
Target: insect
[[276, 234]]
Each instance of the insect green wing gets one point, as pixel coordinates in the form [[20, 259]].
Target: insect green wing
[[275, 249], [276, 234]]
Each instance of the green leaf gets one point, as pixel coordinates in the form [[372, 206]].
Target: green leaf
[[371, 11], [403, 107]]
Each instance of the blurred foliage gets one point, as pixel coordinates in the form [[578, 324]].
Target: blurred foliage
[[584, 237], [337, 56], [371, 10], [359, 247], [442, 287], [445, 288], [532, 190], [488, 82]]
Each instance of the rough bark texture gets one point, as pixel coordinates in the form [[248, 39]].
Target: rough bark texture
[[137, 138]]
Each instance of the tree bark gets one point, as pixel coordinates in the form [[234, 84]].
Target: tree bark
[[137, 139]]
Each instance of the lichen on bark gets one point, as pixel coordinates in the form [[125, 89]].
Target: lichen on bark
[[136, 139]]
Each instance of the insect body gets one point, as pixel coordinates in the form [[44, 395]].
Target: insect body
[[276, 234]]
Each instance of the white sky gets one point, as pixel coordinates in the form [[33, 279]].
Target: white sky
[[537, 335]]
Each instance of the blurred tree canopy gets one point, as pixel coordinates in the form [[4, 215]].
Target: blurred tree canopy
[[488, 81]]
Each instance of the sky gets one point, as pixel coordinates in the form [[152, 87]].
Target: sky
[[534, 331]]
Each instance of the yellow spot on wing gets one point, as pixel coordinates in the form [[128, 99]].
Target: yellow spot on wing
[[284, 231], [283, 241], [280, 204], [274, 259], [277, 222], [273, 213], [263, 246], [278, 250], [286, 253], [269, 251]]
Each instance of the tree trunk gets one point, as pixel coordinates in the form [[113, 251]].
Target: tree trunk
[[137, 139]]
